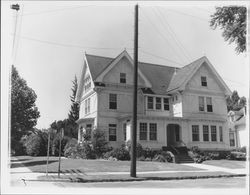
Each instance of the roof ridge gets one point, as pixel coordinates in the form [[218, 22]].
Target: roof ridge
[[192, 63], [99, 56], [159, 65]]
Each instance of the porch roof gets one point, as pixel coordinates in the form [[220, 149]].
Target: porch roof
[[83, 120]]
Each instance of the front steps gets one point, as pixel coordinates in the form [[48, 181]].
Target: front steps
[[180, 154]]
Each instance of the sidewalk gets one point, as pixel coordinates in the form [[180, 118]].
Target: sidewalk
[[21, 174]]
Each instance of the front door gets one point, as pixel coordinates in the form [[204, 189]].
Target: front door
[[173, 134]]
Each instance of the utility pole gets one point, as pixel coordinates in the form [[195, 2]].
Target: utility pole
[[48, 153], [60, 148], [15, 7], [134, 128]]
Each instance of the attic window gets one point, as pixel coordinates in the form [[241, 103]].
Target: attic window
[[122, 77], [204, 81]]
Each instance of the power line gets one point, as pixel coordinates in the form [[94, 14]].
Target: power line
[[169, 60], [159, 32], [55, 10], [201, 19], [67, 45], [172, 33]]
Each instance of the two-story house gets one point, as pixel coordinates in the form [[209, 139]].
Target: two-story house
[[176, 106]]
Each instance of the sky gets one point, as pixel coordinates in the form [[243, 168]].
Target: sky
[[51, 38]]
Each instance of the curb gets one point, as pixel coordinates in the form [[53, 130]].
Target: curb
[[80, 180]]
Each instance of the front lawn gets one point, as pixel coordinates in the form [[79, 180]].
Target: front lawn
[[38, 164], [231, 164]]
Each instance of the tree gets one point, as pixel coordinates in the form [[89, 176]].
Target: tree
[[73, 116], [24, 113], [235, 102], [232, 20]]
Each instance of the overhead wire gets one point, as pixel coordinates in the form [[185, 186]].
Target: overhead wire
[[67, 45], [55, 10], [165, 24], [157, 30]]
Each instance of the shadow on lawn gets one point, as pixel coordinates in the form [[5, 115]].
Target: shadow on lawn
[[32, 163], [18, 160]]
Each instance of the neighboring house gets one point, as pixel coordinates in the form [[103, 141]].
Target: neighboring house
[[176, 106], [238, 135]]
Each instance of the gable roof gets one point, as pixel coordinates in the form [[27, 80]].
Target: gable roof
[[182, 74], [163, 78]]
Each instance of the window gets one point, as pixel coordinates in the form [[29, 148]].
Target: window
[[87, 83], [213, 133], [166, 103], [125, 131], [195, 132], [112, 132], [231, 139], [143, 131], [88, 130], [153, 131], [209, 104], [87, 106], [122, 77], [201, 104], [205, 133], [158, 103], [150, 102], [204, 81], [221, 133], [113, 101]]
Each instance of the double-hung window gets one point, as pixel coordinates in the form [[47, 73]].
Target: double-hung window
[[153, 131], [205, 133], [201, 104], [112, 132], [125, 131], [221, 133], [209, 104], [213, 133], [87, 106], [113, 101], [143, 131], [204, 81], [158, 103], [231, 139], [195, 132], [122, 77], [150, 102], [166, 103]]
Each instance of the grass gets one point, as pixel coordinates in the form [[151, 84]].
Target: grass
[[140, 177], [231, 164], [38, 164]]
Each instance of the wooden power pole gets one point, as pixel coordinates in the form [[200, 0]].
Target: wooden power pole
[[134, 129]]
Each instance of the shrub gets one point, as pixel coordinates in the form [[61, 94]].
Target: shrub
[[83, 150], [139, 149], [149, 153], [70, 147], [100, 144], [159, 158], [119, 153], [56, 144]]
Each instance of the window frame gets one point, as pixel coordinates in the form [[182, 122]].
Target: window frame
[[203, 81], [166, 103], [158, 103], [213, 133], [209, 106], [195, 133], [113, 101], [231, 139], [205, 133], [143, 131], [123, 78], [112, 136], [124, 131], [150, 103], [153, 131], [200, 103], [220, 133]]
